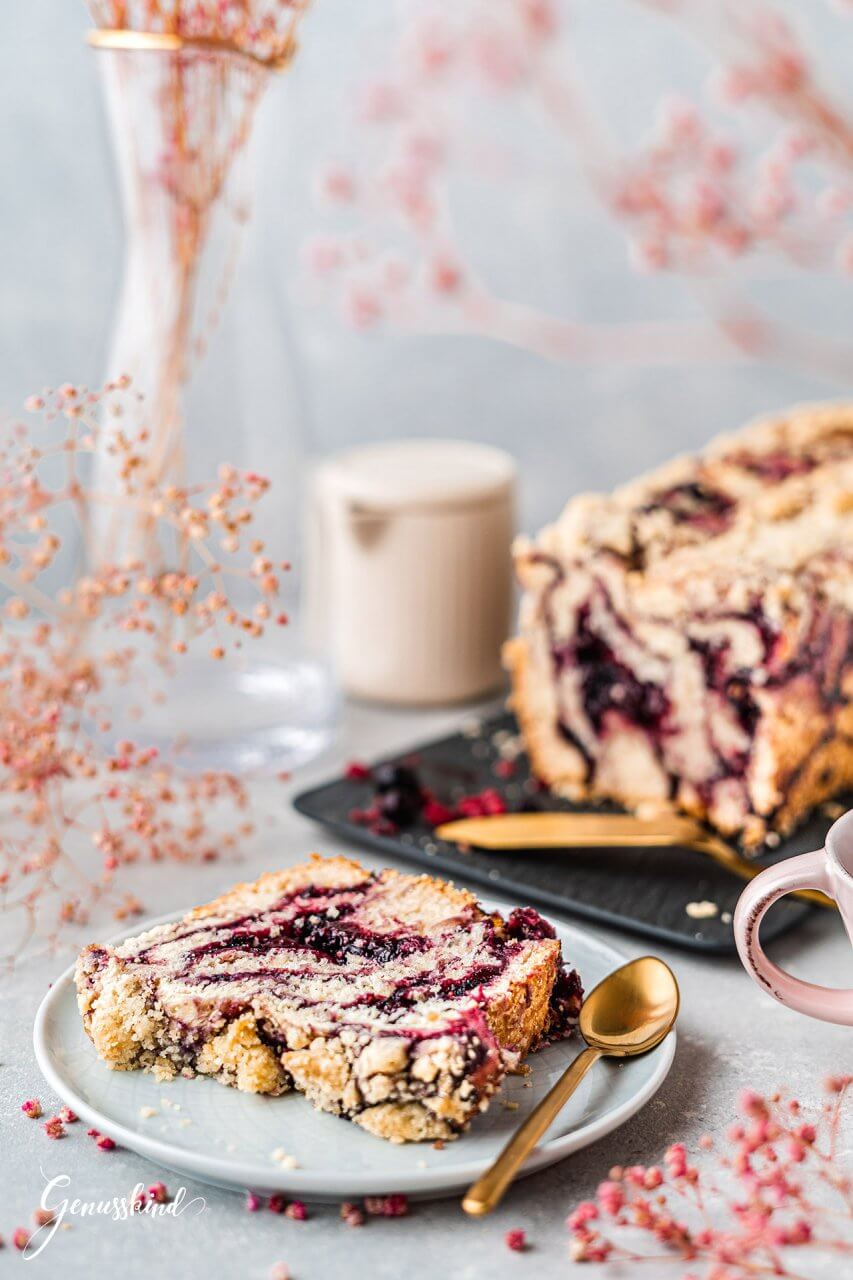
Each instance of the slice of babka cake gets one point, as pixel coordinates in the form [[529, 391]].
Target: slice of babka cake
[[394, 1000], [687, 641]]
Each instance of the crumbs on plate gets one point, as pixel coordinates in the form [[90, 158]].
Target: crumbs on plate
[[701, 910]]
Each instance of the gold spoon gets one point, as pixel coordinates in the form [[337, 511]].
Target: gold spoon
[[606, 831], [627, 1014]]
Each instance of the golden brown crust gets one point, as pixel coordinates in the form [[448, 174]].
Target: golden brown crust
[[662, 587], [533, 701], [518, 1019]]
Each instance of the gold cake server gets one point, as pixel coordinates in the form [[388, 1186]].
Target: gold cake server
[[605, 831]]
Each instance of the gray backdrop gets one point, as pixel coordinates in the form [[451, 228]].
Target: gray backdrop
[[572, 427]]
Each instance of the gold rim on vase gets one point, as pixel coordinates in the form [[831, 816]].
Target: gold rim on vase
[[124, 38]]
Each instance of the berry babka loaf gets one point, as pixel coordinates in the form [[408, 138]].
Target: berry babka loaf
[[687, 641], [393, 1000]]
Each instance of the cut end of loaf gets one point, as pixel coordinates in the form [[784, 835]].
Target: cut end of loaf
[[687, 641]]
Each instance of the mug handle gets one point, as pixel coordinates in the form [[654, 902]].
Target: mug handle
[[807, 871]]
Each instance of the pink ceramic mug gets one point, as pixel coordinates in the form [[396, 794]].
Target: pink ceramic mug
[[829, 869]]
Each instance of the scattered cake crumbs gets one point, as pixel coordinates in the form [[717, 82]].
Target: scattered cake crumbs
[[147, 1112], [509, 746], [280, 1156], [509, 1105], [726, 917], [701, 910], [832, 809]]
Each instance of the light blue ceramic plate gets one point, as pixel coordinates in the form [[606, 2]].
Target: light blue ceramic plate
[[228, 1138]]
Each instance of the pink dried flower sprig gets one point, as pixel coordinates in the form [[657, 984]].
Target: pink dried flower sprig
[[351, 1214], [102, 1142], [354, 1215], [65, 653], [759, 168], [775, 1183], [54, 1128]]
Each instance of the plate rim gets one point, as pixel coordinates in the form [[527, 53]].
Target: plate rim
[[225, 1172]]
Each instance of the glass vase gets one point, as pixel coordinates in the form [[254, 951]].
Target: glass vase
[[203, 336]]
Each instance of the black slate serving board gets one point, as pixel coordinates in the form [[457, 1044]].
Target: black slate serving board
[[645, 891]]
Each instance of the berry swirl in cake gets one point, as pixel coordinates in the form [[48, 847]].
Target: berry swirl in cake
[[393, 1000], [687, 641]]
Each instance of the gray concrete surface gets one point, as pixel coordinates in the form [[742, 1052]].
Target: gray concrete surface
[[571, 427]]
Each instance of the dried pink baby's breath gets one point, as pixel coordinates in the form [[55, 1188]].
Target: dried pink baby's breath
[[774, 1182], [351, 1214], [65, 652], [758, 169], [393, 1206], [263, 28]]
